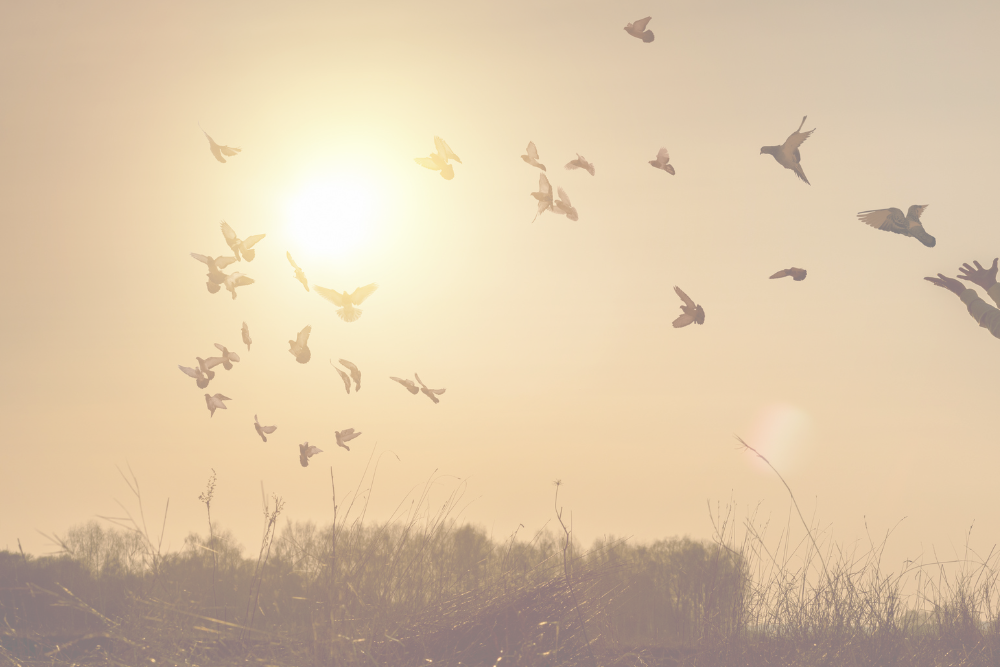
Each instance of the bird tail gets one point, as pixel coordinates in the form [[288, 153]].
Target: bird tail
[[669, 168], [922, 236], [249, 254], [349, 314]]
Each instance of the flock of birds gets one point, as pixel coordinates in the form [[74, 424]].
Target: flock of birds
[[787, 155]]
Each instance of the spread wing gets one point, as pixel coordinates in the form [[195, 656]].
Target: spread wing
[[221, 348], [419, 380], [292, 261], [303, 338], [683, 320], [211, 362], [412, 388], [330, 295], [916, 211], [230, 151], [251, 240], [684, 297], [532, 151], [359, 295], [640, 25], [192, 372], [444, 150], [887, 219], [663, 156], [543, 185], [201, 258], [795, 140], [347, 435], [223, 262], [564, 198], [228, 232], [344, 377], [781, 274], [240, 279], [220, 397], [426, 162]]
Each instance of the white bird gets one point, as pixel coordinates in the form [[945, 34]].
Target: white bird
[[345, 301], [306, 451], [215, 266], [217, 150], [439, 161], [299, 347], [563, 207], [580, 163], [237, 245], [893, 220], [227, 357], [544, 195], [234, 280], [199, 375], [532, 156], [690, 312], [261, 430], [343, 376], [299, 273], [638, 29], [246, 335], [346, 436], [429, 393], [787, 154], [409, 384], [662, 161], [216, 401], [796, 274]]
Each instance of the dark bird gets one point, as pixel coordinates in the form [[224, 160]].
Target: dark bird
[[410, 385], [439, 161], [261, 430], [299, 347], [246, 335], [893, 220], [638, 29], [217, 150], [544, 195], [690, 312], [428, 392], [240, 246], [299, 273], [580, 163], [662, 161], [227, 357], [346, 436], [787, 154], [306, 451], [796, 274], [347, 302], [216, 401], [532, 156]]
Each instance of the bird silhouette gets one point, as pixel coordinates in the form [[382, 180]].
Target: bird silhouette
[[240, 247], [216, 401], [299, 347], [234, 280], [532, 156], [355, 373], [345, 301], [428, 392], [787, 154], [217, 150], [580, 163], [261, 430], [206, 365], [439, 161], [409, 384], [306, 451], [200, 376], [343, 376], [796, 274], [563, 207], [662, 161], [246, 336], [299, 273], [893, 220], [544, 195], [638, 29], [215, 265], [346, 436], [227, 357], [690, 312]]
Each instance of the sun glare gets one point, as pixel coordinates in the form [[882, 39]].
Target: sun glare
[[333, 216]]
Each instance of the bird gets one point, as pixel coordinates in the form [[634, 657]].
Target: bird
[[691, 312], [439, 160], [206, 365], [299, 347], [796, 274], [306, 451], [345, 301], [234, 280], [346, 436], [238, 245], [343, 376], [429, 393], [355, 373], [261, 430], [246, 336], [199, 375], [227, 357], [563, 207], [787, 154], [217, 150], [212, 286], [532, 156], [216, 401], [409, 384], [215, 266], [662, 161], [299, 273], [638, 29], [580, 163], [544, 195], [893, 220]]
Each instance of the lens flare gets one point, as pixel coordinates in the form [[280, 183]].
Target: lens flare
[[333, 216], [780, 432]]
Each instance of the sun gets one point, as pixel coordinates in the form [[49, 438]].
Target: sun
[[334, 215]]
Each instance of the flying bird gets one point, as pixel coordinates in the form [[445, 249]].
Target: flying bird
[[345, 301], [409, 384], [200, 376], [893, 220], [796, 274], [261, 430], [217, 150], [306, 451], [238, 245], [580, 163], [691, 312], [532, 156], [206, 365], [346, 436], [216, 401], [246, 336], [227, 357], [638, 29], [439, 161], [544, 195], [299, 347], [662, 161], [299, 273], [563, 207], [343, 376], [215, 266], [787, 154], [234, 280], [355, 373], [429, 393]]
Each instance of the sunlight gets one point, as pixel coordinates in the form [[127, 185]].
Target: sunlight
[[779, 433], [334, 216]]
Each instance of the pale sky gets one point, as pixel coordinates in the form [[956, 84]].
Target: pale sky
[[874, 392]]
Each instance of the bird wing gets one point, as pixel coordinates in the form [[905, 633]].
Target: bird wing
[[223, 262], [359, 295], [564, 198], [781, 274], [888, 219], [190, 371], [543, 185], [303, 338], [684, 320], [795, 140], [202, 258], [663, 155], [344, 377], [221, 348], [412, 388], [211, 362], [292, 261], [228, 232], [640, 25], [268, 429], [437, 391], [444, 150], [916, 211], [233, 356], [684, 297], [348, 435], [251, 240], [426, 162], [220, 397], [532, 151], [419, 380], [229, 150], [333, 296], [240, 279]]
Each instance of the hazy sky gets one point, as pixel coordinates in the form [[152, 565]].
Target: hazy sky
[[874, 392]]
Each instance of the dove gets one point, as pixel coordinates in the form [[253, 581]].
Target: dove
[[787, 154], [227, 357], [638, 29], [199, 375], [306, 451], [409, 384], [580, 163], [217, 150], [662, 161], [215, 266], [544, 195], [261, 430], [216, 401], [345, 301], [893, 220], [238, 245], [299, 273], [796, 274], [343, 376], [532, 156], [346, 436], [246, 336], [234, 280], [563, 207], [355, 373], [439, 161], [206, 365], [691, 312], [429, 393], [300, 346]]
